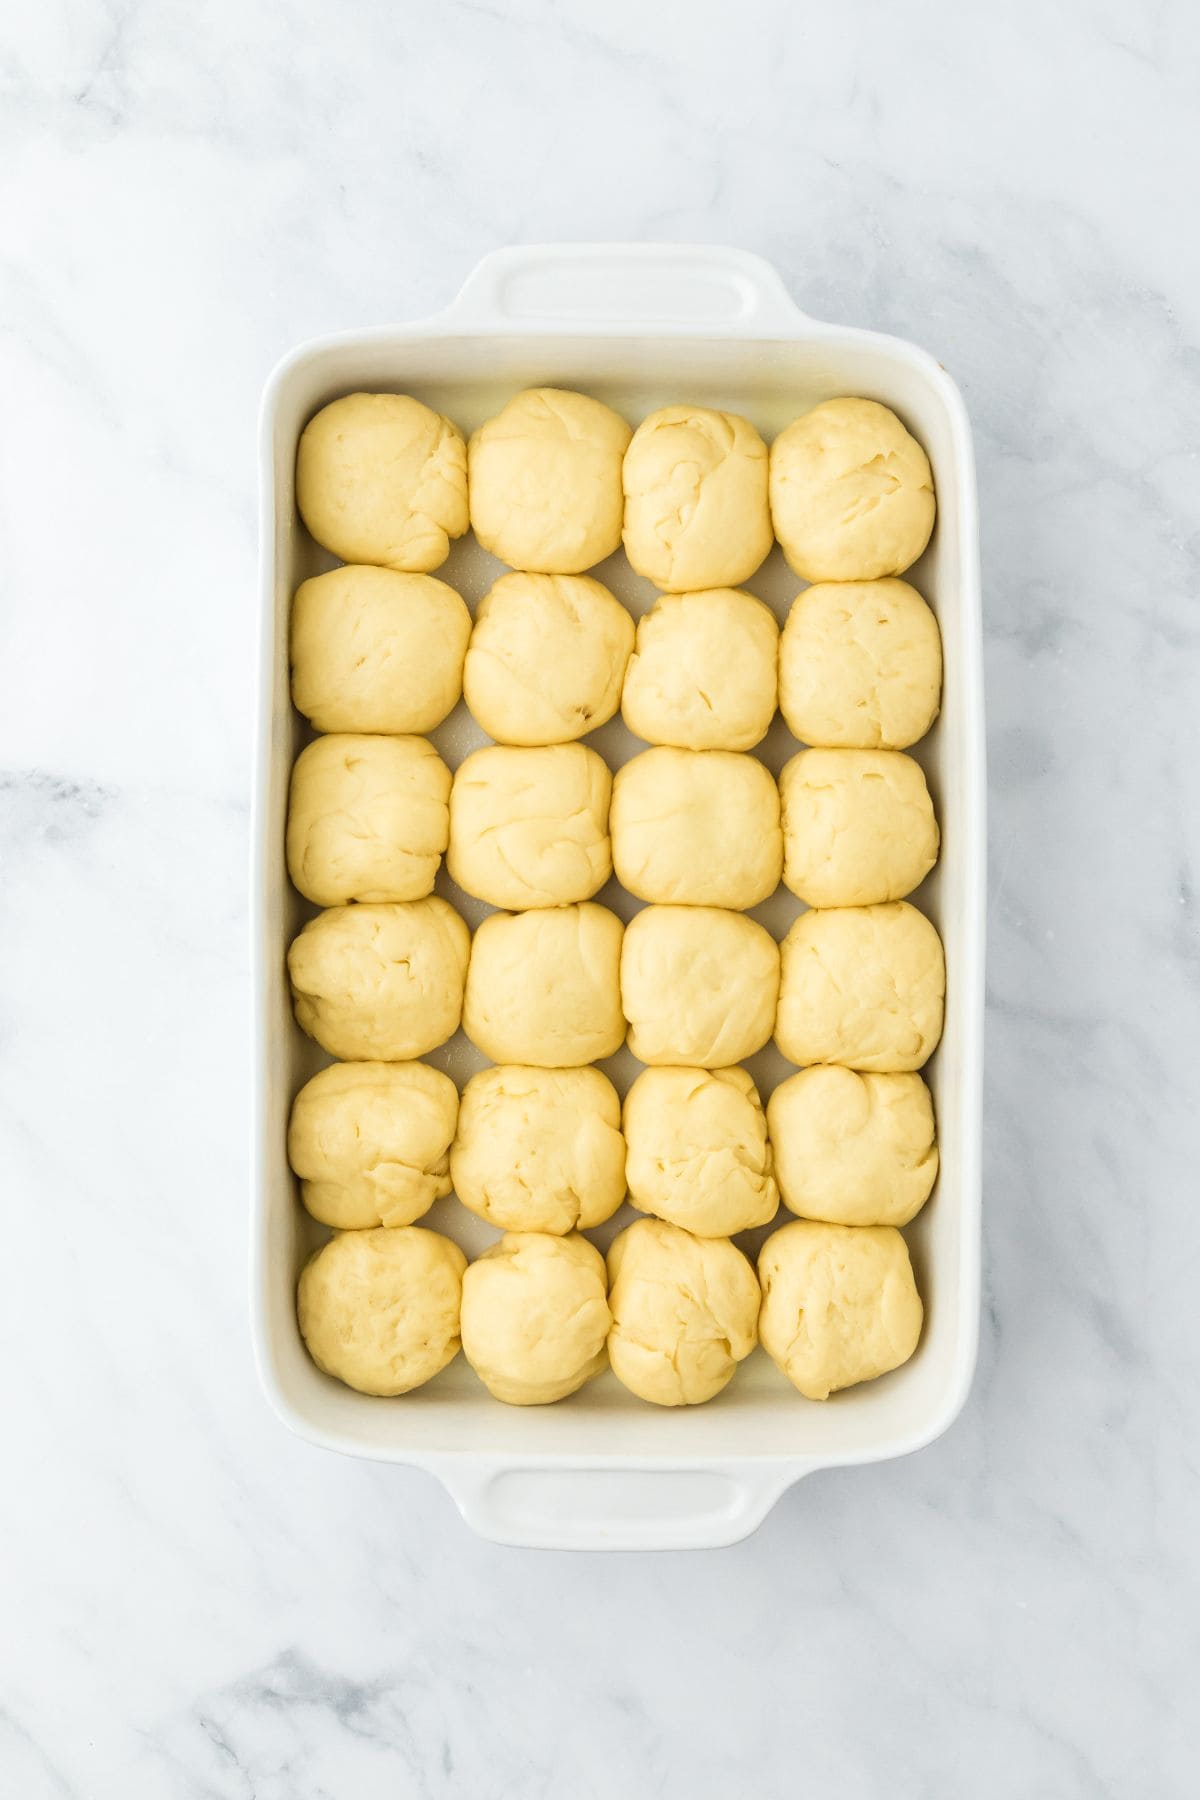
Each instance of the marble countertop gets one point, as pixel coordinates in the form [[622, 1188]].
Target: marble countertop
[[208, 1607]]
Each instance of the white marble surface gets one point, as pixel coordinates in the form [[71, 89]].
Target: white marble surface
[[205, 1607]]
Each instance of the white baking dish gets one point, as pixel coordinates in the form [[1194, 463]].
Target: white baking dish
[[639, 326]]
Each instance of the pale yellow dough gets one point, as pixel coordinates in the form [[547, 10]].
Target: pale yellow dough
[[543, 987], [860, 666], [696, 512], [368, 818], [535, 1317], [863, 986], [529, 827], [370, 1142], [373, 650], [858, 826], [546, 481], [684, 1310], [380, 478], [380, 1309], [547, 658], [539, 1149], [851, 493], [696, 828], [698, 985], [697, 1151], [839, 1304], [380, 982], [853, 1149], [703, 675]]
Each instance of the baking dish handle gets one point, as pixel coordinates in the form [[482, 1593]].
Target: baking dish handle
[[635, 286]]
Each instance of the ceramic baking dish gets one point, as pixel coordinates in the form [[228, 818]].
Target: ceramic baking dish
[[639, 326]]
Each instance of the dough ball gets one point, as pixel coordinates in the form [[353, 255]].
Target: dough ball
[[380, 982], [368, 819], [535, 1316], [546, 481], [704, 673], [863, 986], [860, 665], [370, 1142], [539, 1149], [697, 828], [858, 826], [547, 658], [698, 986], [376, 651], [530, 827], [853, 1149], [380, 1309], [839, 1304], [696, 512], [697, 1150], [684, 1310], [851, 493], [543, 987], [382, 479]]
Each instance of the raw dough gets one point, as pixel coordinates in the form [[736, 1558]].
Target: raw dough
[[547, 658], [858, 826], [546, 481], [696, 512], [380, 1309], [698, 985], [535, 1316], [863, 986], [543, 987], [839, 1304], [376, 651], [539, 1149], [382, 479], [704, 674], [853, 1149], [380, 982], [697, 1151], [370, 1142], [697, 828], [860, 665], [684, 1309], [851, 493], [368, 818], [529, 827]]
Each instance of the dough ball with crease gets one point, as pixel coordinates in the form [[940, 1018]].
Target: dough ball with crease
[[368, 818], [851, 1148], [380, 982], [684, 1312], [863, 986], [529, 827], [370, 1142], [547, 658], [839, 1304], [539, 1149], [377, 651], [860, 665], [380, 1309], [535, 1317], [698, 985], [858, 826], [703, 675], [381, 478], [543, 987], [696, 510], [851, 493], [696, 828], [697, 1150], [545, 481]]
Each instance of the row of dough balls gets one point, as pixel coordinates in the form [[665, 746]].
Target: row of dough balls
[[672, 1314], [557, 481], [551, 657]]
